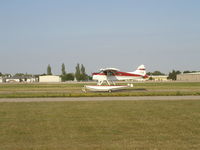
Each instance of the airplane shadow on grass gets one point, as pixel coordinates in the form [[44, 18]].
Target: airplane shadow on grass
[[131, 90], [123, 90]]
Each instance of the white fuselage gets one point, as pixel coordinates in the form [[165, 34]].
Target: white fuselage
[[116, 77]]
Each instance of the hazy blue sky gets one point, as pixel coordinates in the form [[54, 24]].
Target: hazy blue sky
[[162, 34]]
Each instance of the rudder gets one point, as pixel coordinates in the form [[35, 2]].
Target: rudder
[[141, 70]]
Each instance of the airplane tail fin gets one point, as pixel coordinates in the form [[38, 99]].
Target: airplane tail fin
[[141, 70]]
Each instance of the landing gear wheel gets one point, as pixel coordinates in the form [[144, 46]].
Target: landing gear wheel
[[109, 91]]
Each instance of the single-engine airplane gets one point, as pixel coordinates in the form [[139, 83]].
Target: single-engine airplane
[[109, 75]]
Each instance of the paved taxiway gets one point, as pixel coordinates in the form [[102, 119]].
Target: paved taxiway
[[99, 98]]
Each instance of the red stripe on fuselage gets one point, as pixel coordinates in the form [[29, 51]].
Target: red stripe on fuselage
[[119, 74]]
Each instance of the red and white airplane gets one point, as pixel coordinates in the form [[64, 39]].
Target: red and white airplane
[[109, 75]]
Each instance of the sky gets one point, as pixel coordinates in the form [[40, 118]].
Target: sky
[[161, 34]]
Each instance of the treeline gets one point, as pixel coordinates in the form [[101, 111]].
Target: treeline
[[79, 75]]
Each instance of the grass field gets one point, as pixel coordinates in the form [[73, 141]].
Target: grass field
[[106, 125], [74, 90]]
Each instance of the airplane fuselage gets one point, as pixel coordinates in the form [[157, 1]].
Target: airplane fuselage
[[116, 76]]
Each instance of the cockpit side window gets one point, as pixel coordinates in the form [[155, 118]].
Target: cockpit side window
[[111, 73]]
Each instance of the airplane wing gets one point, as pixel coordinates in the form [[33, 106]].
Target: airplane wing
[[110, 69]]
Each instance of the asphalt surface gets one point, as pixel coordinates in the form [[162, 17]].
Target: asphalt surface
[[171, 98]]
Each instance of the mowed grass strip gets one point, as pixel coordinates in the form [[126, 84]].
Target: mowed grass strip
[[74, 90], [107, 125], [97, 94]]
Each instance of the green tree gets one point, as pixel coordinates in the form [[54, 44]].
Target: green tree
[[155, 73], [83, 73], [150, 78], [18, 75], [173, 74], [78, 72], [63, 69], [64, 74], [82, 69], [7, 75], [70, 77], [89, 77], [49, 70], [187, 71]]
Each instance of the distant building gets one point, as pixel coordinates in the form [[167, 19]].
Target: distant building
[[12, 79], [159, 78], [189, 77], [1, 80], [49, 78], [26, 79]]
